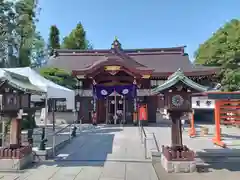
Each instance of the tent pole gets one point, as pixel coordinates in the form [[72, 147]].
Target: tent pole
[[3, 131], [53, 113], [115, 107], [106, 110], [124, 109], [46, 113]]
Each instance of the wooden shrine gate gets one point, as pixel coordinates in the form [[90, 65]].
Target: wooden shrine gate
[[229, 112], [226, 111]]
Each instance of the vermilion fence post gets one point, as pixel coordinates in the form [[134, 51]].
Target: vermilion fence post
[[217, 138]]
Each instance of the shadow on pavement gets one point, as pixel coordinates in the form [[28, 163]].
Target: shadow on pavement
[[219, 159], [89, 148], [167, 124], [69, 163], [230, 136]]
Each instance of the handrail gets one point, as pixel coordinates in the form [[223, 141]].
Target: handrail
[[54, 138], [65, 127], [144, 141], [156, 143], [143, 130], [59, 131]]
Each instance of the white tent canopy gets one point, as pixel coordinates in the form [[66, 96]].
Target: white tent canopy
[[51, 89]]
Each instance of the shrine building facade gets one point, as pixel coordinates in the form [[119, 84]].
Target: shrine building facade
[[117, 79]]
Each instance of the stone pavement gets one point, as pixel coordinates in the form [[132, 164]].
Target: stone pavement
[[217, 168], [106, 143], [215, 171], [102, 153], [230, 136]]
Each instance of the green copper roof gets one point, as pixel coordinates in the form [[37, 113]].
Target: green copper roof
[[174, 79], [21, 83]]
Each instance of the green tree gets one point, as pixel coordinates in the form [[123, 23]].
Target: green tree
[[7, 40], [54, 40], [19, 41], [59, 76], [76, 39], [25, 30], [223, 49], [39, 51], [26, 17]]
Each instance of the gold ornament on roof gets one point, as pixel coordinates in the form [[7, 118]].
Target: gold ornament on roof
[[146, 76], [112, 68]]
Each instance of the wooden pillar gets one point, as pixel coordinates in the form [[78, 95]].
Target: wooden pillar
[[15, 133], [176, 128], [106, 106], [217, 138], [124, 109], [192, 132], [135, 108], [94, 113]]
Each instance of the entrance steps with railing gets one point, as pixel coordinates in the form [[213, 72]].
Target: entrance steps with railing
[[149, 142]]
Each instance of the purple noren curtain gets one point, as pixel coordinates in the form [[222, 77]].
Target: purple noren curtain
[[101, 92]]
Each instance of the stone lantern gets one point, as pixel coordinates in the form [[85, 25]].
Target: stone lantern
[[177, 92], [13, 103], [16, 96]]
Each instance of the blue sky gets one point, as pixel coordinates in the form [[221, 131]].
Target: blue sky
[[139, 24]]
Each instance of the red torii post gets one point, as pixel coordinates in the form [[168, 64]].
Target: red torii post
[[192, 132], [217, 139], [219, 98]]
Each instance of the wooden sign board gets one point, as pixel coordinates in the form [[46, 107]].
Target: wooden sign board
[[112, 68], [202, 102], [146, 76]]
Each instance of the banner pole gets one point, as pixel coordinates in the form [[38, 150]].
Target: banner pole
[[115, 107]]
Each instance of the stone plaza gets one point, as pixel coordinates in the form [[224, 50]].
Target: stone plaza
[[117, 153]]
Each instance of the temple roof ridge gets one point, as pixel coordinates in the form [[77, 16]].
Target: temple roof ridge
[[174, 79]]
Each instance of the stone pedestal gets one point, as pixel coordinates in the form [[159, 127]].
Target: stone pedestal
[[178, 166], [15, 159], [178, 160]]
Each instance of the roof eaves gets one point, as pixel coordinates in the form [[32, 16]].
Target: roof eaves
[[23, 85], [175, 78], [165, 85], [195, 85]]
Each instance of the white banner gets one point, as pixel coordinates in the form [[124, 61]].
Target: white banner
[[202, 102]]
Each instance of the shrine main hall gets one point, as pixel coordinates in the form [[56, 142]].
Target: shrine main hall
[[118, 80]]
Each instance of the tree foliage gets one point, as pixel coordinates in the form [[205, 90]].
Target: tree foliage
[[223, 49], [18, 33], [59, 76], [7, 25], [76, 39], [54, 39], [25, 29], [39, 51]]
